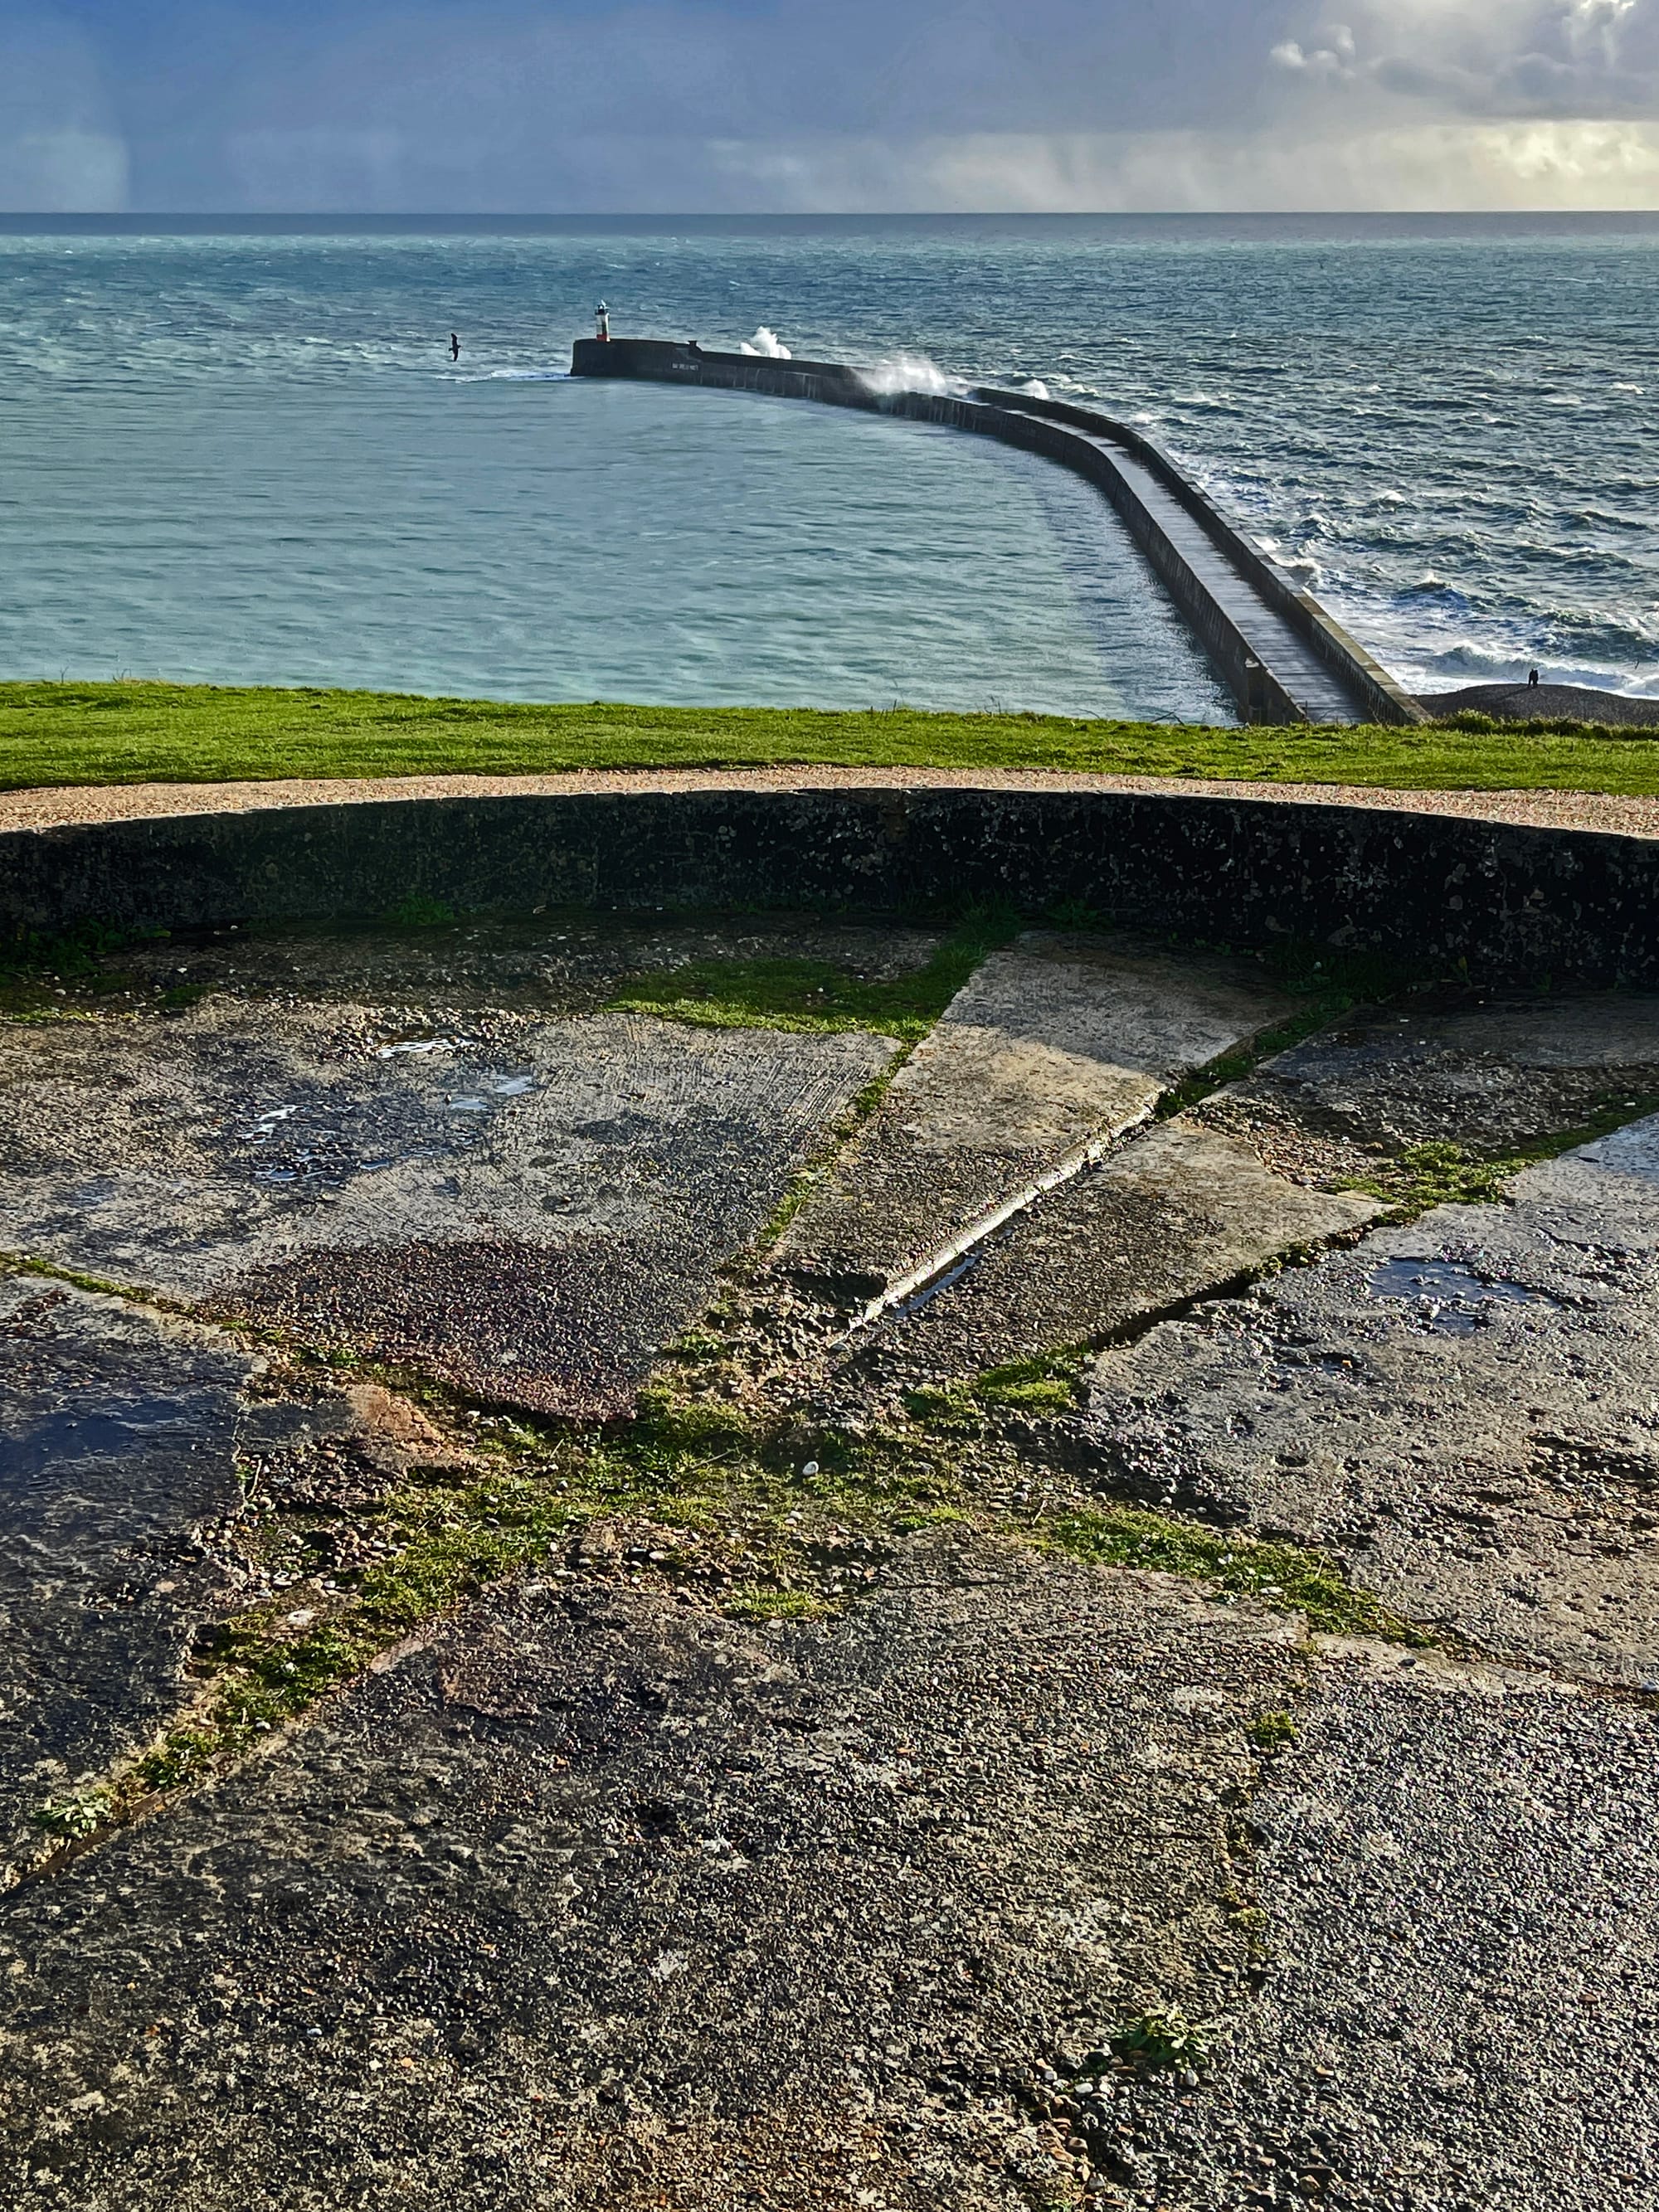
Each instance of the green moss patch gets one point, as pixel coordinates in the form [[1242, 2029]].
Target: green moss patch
[[1445, 1174], [817, 995], [1283, 1576]]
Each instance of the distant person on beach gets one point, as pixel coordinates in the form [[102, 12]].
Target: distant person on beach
[[1532, 681], [454, 347]]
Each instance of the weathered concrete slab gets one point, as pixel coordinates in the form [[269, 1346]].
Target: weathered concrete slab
[[1466, 1407], [1488, 1076], [1056, 1041], [118, 1446], [1174, 1213], [602, 1900], [1461, 1880], [527, 1208], [138, 1452]]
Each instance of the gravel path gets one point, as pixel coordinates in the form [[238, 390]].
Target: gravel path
[[1547, 809]]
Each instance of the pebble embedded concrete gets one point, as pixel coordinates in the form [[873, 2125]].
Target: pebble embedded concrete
[[598, 1894], [528, 1210]]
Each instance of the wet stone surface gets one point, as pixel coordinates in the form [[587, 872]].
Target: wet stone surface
[[792, 1815], [1466, 1408], [118, 1432], [601, 1899]]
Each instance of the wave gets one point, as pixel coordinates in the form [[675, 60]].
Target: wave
[[912, 372], [768, 344]]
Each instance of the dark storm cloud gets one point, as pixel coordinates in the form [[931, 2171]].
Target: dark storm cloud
[[372, 104]]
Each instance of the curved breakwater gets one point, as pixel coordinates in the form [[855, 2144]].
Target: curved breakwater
[[1284, 658]]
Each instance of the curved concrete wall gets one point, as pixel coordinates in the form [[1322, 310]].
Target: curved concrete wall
[[1079, 439], [1434, 889], [1387, 701]]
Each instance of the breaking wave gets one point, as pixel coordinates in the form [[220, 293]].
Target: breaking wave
[[912, 372]]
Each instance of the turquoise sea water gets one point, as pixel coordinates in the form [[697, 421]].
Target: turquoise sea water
[[234, 453]]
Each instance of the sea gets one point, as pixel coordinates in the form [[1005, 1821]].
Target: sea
[[235, 450]]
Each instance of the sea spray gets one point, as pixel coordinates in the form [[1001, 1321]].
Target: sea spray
[[768, 344], [911, 372]]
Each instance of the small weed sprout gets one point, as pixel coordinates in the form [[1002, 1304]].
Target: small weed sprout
[[419, 912], [1272, 1731], [1165, 2040], [77, 1816]]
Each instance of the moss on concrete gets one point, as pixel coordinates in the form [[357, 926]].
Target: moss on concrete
[[768, 1518]]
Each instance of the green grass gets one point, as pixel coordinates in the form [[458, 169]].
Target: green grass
[[817, 995], [1441, 1173], [133, 732]]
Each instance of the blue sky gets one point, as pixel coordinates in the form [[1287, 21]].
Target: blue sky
[[570, 106]]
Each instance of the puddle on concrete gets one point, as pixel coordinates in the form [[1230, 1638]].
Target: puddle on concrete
[[1454, 1300]]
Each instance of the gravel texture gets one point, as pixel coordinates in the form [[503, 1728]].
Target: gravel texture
[[1461, 1875], [602, 1900], [1549, 810]]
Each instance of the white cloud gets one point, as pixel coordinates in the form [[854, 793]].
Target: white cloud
[[1571, 59]]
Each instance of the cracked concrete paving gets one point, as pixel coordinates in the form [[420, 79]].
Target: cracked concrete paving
[[1468, 1409], [594, 1898], [1057, 1040], [528, 1213], [1178, 1210], [125, 1435], [602, 1900]]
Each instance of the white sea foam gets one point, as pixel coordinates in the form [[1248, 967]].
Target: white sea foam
[[768, 344], [1034, 388], [911, 372]]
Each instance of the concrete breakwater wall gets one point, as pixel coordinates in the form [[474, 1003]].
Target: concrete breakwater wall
[[1434, 890], [1280, 654]]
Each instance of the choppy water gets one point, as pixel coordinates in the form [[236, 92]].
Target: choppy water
[[238, 455]]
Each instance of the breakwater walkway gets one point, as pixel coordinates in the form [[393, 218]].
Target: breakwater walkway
[[1280, 654]]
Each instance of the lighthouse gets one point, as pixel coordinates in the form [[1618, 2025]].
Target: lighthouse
[[602, 322]]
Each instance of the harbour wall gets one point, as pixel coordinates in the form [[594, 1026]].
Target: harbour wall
[[1437, 892], [1080, 438]]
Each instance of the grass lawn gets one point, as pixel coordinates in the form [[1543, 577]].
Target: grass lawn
[[127, 732]]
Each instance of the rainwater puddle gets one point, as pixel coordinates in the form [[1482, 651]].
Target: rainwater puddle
[[1455, 1299]]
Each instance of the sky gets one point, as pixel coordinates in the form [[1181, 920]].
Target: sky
[[521, 107]]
